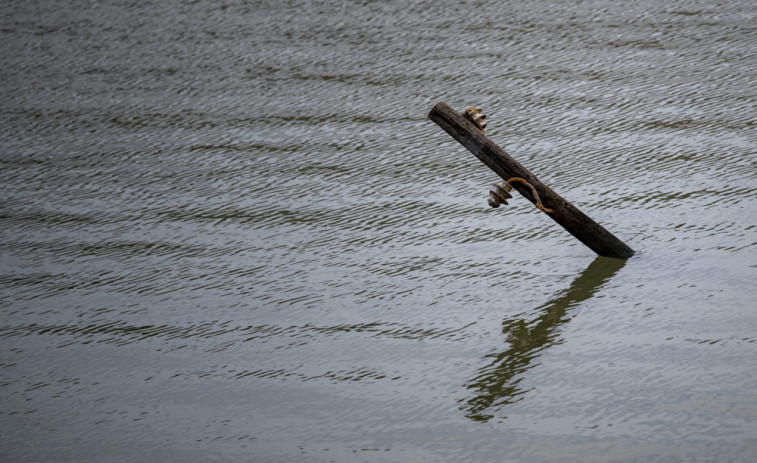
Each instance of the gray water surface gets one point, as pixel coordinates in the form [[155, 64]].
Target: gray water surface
[[228, 232]]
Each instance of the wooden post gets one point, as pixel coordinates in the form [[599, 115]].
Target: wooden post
[[578, 224]]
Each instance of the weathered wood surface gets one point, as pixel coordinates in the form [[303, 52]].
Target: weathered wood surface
[[590, 233]]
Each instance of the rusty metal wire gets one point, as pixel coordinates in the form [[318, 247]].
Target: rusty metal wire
[[533, 191], [500, 193]]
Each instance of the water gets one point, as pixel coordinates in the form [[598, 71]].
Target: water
[[229, 232]]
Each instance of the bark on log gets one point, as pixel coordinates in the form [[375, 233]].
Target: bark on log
[[590, 233]]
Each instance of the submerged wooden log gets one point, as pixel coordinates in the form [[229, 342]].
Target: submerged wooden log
[[578, 224]]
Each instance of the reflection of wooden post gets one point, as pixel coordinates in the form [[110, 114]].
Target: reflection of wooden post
[[578, 224], [496, 384]]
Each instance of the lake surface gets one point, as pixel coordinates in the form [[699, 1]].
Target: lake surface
[[230, 233]]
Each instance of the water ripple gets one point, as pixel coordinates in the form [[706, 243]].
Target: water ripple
[[234, 224]]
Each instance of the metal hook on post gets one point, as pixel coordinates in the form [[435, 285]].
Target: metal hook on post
[[501, 192], [476, 116]]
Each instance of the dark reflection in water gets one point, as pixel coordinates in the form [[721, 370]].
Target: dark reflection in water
[[497, 384]]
